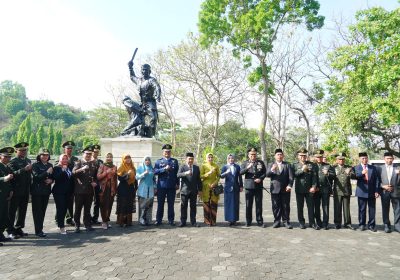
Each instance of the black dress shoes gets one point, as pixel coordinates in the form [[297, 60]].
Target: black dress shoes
[[362, 227], [41, 234], [288, 225], [302, 226], [388, 228], [316, 227], [349, 227], [276, 224], [182, 225], [371, 228]]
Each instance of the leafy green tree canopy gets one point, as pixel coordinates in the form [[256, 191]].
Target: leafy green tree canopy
[[364, 97]]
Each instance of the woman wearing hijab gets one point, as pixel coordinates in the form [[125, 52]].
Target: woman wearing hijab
[[233, 185], [145, 176], [107, 176], [125, 191], [42, 171], [209, 174], [62, 175]]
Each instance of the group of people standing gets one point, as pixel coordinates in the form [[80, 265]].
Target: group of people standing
[[79, 182]]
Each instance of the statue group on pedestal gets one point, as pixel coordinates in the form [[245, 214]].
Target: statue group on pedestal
[[143, 116]]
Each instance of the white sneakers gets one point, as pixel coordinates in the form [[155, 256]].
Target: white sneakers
[[63, 231], [104, 225]]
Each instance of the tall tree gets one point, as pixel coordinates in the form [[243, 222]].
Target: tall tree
[[12, 97], [40, 137], [50, 137], [217, 78], [57, 142], [364, 94], [251, 28]]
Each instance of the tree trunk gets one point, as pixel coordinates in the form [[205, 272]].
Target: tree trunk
[[199, 142], [215, 132], [264, 117]]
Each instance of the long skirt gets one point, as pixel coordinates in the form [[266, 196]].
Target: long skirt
[[145, 210], [231, 206], [210, 212], [125, 209], [106, 203]]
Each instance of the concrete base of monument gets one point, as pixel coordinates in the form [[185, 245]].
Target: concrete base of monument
[[137, 147]]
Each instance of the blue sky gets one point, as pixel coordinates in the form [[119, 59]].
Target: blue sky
[[69, 50]]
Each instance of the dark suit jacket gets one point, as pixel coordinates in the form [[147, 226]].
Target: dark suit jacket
[[279, 181], [394, 180], [189, 184], [364, 189], [62, 180]]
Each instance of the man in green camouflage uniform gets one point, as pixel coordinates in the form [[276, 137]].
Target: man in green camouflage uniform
[[342, 192], [325, 179]]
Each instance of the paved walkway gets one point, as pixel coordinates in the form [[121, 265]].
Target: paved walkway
[[219, 252]]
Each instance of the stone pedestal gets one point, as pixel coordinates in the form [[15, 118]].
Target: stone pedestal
[[137, 147]]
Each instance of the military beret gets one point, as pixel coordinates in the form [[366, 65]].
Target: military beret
[[88, 149], [96, 147], [341, 155], [319, 153], [388, 154], [189, 155], [7, 151], [363, 154], [68, 144], [252, 150], [21, 146], [302, 152], [166, 147]]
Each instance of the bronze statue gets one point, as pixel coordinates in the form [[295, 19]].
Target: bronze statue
[[149, 92]]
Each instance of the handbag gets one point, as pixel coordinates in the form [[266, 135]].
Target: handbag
[[218, 189]]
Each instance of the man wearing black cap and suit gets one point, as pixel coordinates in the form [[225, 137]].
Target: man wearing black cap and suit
[[390, 192], [281, 175], [367, 191], [6, 192], [21, 167], [189, 175], [84, 173], [342, 191], [253, 170], [167, 183], [68, 149]]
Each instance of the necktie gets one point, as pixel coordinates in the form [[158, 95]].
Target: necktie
[[280, 167], [366, 174]]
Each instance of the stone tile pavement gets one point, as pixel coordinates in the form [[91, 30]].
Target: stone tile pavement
[[220, 252]]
